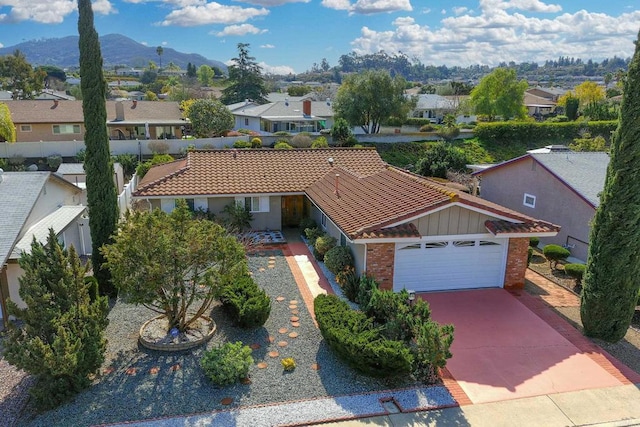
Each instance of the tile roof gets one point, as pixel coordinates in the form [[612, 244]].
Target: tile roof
[[58, 220], [46, 111], [501, 227], [255, 171], [290, 109]]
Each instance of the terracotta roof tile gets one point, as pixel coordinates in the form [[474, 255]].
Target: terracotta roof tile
[[532, 227], [257, 171], [402, 230]]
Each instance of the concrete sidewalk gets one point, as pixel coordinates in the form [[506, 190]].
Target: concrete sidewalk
[[614, 406]]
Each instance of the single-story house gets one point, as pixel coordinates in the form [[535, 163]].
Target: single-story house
[[406, 230], [537, 106], [548, 93], [58, 120], [31, 203], [286, 116], [433, 107], [558, 186]]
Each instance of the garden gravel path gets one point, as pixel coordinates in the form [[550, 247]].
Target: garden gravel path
[[138, 384]]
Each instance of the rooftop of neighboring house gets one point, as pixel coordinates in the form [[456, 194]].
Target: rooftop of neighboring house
[[434, 102], [531, 100], [292, 110], [62, 111]]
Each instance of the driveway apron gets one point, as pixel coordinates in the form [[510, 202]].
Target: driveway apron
[[502, 350]]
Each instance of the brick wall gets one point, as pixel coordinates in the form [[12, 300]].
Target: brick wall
[[516, 263], [380, 260]]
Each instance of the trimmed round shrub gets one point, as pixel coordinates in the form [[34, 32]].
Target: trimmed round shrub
[[241, 144], [282, 145], [322, 246], [427, 128], [301, 140], [250, 306], [338, 258], [228, 363], [256, 143], [534, 242], [320, 142], [555, 254], [576, 271], [312, 234]]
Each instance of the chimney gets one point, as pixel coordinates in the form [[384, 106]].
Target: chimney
[[55, 103], [336, 191], [135, 103], [119, 111], [306, 107]]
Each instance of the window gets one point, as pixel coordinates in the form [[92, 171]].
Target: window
[[66, 129], [487, 243], [323, 220], [464, 243], [246, 121], [409, 247], [190, 204], [254, 203], [529, 200], [343, 240], [435, 245], [25, 128]]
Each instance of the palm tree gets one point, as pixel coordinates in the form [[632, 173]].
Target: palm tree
[[160, 51]]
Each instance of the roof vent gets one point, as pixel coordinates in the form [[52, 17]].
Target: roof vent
[[330, 160]]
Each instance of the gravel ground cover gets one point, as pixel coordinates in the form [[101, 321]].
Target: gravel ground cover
[[138, 384]]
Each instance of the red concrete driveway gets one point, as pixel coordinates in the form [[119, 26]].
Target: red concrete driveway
[[502, 350]]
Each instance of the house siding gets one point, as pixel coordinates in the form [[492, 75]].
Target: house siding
[[359, 257], [555, 202], [52, 196], [44, 132], [452, 221]]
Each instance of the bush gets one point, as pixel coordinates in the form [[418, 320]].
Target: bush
[[54, 161], [322, 246], [427, 128], [529, 255], [440, 158], [338, 258], [307, 223], [256, 143], [576, 271], [228, 363], [157, 159], [367, 286], [312, 234], [320, 142], [288, 364], [301, 140], [282, 145], [555, 254], [250, 306], [349, 282], [534, 242], [241, 144], [80, 155], [537, 134], [357, 341], [158, 147], [129, 162]]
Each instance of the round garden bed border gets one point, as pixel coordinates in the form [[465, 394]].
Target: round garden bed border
[[171, 346]]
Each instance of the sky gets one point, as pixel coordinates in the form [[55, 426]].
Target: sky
[[289, 36]]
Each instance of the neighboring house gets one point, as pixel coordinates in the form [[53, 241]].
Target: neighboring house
[[548, 93], [561, 187], [433, 107], [404, 229], [287, 116], [75, 174], [537, 106], [31, 203], [64, 120]]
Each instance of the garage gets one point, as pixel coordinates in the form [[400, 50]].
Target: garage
[[450, 264]]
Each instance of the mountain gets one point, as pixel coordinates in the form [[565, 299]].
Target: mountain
[[116, 50]]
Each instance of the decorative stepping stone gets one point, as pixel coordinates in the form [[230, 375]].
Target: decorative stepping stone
[[293, 335], [293, 307], [295, 324], [272, 258], [294, 318], [315, 367], [272, 266], [280, 299], [108, 370], [154, 370], [227, 401], [282, 344], [261, 269], [295, 312], [245, 381], [131, 371], [175, 367], [293, 302], [262, 365], [255, 346], [270, 339], [272, 261], [274, 354], [283, 330]]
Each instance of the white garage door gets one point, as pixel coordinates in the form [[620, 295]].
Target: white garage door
[[445, 265]]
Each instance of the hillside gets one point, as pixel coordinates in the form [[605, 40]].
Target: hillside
[[116, 50]]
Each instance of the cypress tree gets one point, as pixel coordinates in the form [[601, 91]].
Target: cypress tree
[[101, 191], [612, 279]]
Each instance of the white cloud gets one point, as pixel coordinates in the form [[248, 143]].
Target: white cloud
[[164, 43], [47, 11], [267, 46], [239, 30], [459, 10], [211, 13], [425, 10], [103, 7], [276, 69], [497, 34], [368, 7], [1, 45], [271, 3]]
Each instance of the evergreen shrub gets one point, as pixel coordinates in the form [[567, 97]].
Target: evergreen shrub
[[338, 258], [555, 254], [576, 271], [250, 306], [227, 363], [534, 241], [322, 246]]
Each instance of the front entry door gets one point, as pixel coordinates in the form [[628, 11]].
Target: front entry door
[[292, 210]]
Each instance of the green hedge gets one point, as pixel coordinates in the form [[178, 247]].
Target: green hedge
[[355, 339], [539, 133], [338, 259], [249, 304]]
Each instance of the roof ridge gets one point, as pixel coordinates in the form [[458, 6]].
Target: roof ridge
[[170, 175]]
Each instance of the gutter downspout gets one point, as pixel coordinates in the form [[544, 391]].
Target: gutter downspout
[[3, 305]]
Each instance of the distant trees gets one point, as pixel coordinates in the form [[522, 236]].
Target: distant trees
[[440, 158], [369, 98], [209, 117], [101, 191], [610, 289], [205, 75], [7, 128], [160, 51], [245, 78], [18, 76], [500, 94]]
